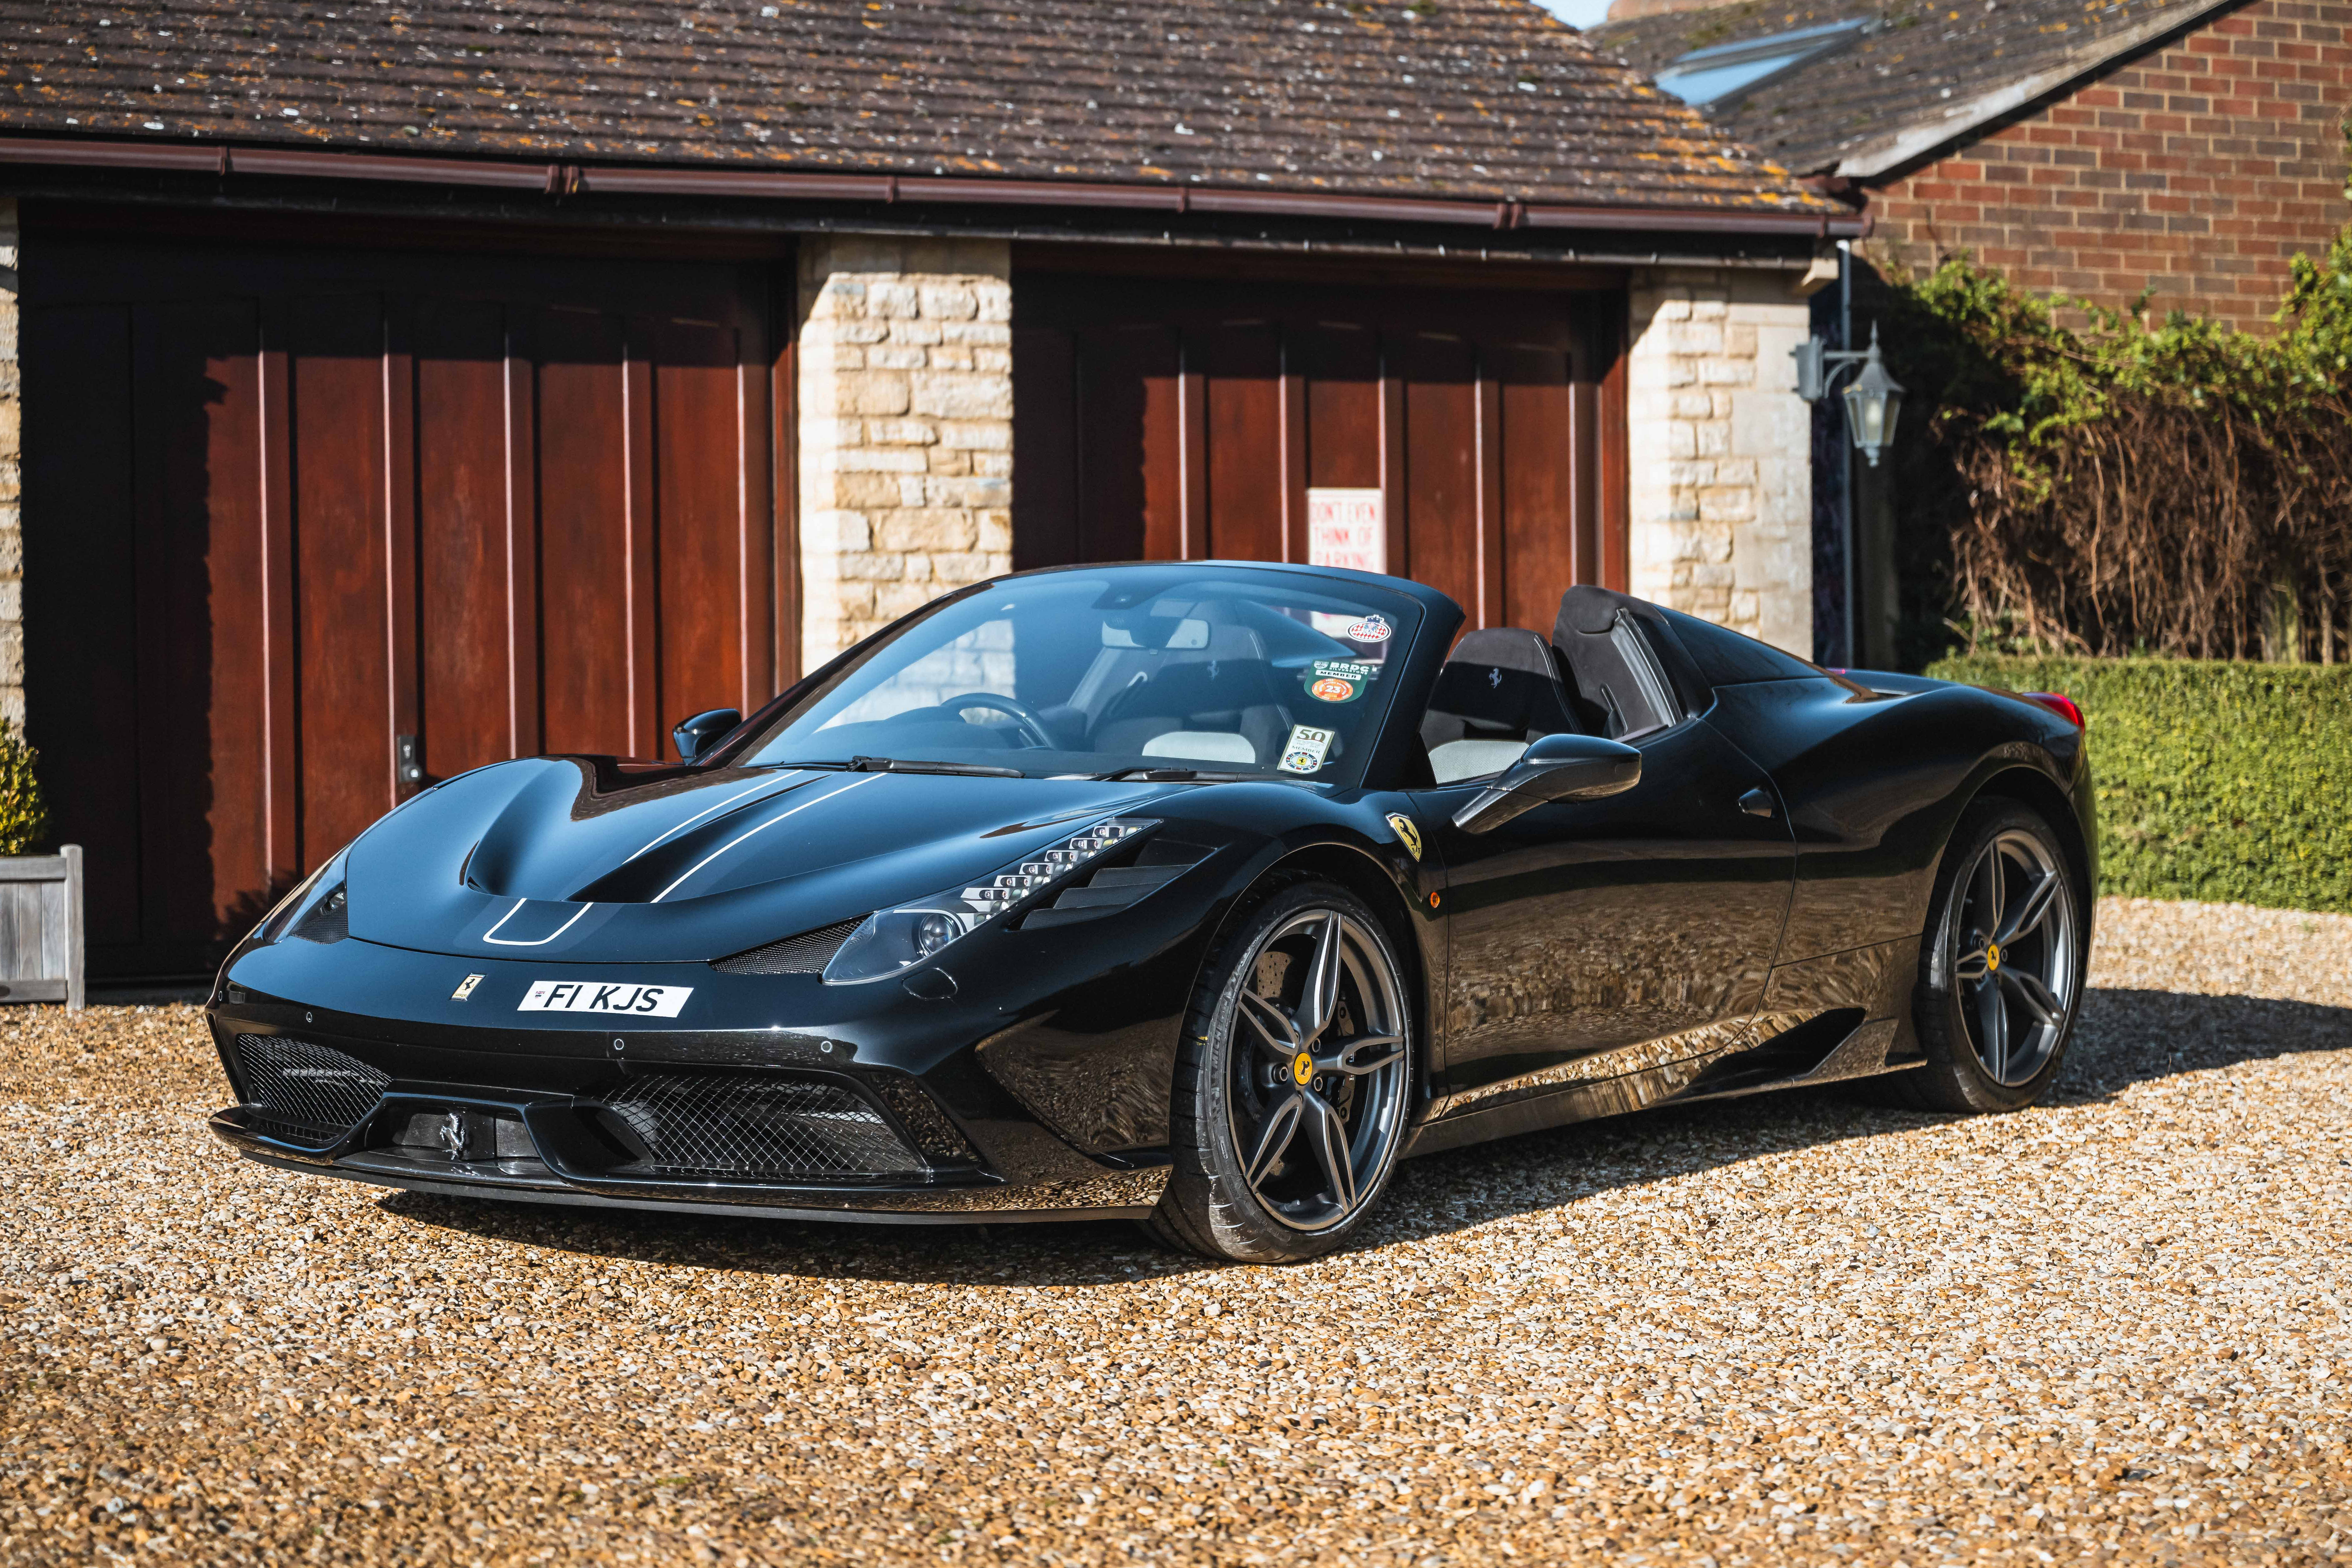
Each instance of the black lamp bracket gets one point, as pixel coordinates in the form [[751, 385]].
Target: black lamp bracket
[[1819, 365]]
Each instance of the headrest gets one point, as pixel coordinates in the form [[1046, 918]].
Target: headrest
[[1502, 678], [1589, 609]]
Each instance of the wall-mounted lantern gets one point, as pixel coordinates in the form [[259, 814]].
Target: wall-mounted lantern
[[1872, 402]]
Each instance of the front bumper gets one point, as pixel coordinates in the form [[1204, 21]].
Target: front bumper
[[359, 1061]]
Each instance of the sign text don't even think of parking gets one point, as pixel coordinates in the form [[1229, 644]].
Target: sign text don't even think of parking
[[603, 997], [1348, 528]]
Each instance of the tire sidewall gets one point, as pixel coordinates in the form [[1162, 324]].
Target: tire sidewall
[[1943, 1028], [1206, 1181]]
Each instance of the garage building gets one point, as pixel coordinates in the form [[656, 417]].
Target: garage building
[[396, 388]]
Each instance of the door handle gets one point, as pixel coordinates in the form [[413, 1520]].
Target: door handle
[[1756, 802]]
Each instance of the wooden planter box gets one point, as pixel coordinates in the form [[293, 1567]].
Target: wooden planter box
[[40, 928]]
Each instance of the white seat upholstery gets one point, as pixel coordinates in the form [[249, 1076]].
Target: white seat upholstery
[[1459, 759]]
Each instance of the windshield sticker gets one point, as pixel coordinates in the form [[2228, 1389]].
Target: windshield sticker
[[1303, 753], [1339, 680], [1370, 629]]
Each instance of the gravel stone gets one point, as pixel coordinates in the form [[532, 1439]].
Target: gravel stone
[[1791, 1328]]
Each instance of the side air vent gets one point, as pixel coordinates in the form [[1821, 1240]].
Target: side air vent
[[806, 954], [920, 1114], [1117, 887], [306, 1092], [744, 1127]]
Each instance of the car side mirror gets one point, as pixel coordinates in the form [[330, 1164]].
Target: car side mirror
[[1556, 768], [697, 735]]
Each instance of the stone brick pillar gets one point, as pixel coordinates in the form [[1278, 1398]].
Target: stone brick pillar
[[906, 428], [1721, 451], [12, 473]]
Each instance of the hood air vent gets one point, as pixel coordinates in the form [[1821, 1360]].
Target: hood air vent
[[806, 954]]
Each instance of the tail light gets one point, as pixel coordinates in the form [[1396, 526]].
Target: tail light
[[2063, 706]]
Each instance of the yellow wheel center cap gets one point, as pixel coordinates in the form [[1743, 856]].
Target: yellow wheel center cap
[[1302, 1070], [1992, 957]]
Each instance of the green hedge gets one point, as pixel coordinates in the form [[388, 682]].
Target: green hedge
[[2227, 782]]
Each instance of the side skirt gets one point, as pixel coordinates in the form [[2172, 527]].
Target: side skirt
[[1861, 1052]]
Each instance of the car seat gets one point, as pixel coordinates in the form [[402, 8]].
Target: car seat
[[1498, 692], [1216, 706]]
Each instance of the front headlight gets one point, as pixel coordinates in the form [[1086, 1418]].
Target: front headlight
[[317, 910], [890, 940]]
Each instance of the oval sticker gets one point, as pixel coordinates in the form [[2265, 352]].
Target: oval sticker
[[1332, 689], [1370, 629]]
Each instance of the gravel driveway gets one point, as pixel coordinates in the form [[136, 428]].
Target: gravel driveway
[[1783, 1329]]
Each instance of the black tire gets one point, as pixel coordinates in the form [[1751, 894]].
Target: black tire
[[1346, 1092], [1995, 1009]]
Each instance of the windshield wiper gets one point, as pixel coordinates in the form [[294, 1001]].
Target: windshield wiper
[[901, 765], [1173, 775]]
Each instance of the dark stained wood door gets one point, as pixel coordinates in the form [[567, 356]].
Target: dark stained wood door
[[1181, 418], [286, 508]]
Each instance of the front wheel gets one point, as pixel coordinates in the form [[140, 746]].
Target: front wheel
[[2003, 969], [1294, 1083]]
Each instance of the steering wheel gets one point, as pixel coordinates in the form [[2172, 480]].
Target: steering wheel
[[1033, 728]]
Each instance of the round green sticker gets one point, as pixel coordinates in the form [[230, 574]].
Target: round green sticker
[[1339, 680]]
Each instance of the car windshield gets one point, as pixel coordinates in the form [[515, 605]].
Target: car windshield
[[1145, 670]]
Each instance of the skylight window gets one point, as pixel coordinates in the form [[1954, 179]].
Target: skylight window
[[1705, 76]]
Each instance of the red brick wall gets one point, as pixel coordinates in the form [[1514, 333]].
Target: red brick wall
[[2196, 172]]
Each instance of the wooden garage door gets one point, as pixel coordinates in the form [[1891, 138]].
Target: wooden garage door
[[287, 509], [1179, 419]]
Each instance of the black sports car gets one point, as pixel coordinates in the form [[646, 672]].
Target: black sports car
[[1200, 892]]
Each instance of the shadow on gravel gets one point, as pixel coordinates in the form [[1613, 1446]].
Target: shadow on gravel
[[2124, 1038]]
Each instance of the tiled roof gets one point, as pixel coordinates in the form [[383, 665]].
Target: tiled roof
[[1491, 99], [1926, 71]]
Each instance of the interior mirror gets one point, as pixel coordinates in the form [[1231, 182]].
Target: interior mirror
[[1556, 768], [697, 735]]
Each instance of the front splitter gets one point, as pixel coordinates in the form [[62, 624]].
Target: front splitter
[[1120, 1195]]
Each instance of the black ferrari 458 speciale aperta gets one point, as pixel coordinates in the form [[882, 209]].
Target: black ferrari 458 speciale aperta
[[1201, 892]]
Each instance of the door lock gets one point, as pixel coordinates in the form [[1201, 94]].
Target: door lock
[[407, 766], [1756, 802]]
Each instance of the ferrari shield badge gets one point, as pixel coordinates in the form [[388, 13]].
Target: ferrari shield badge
[[465, 987], [1407, 834]]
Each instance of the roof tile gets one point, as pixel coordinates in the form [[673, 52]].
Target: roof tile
[[1491, 99]]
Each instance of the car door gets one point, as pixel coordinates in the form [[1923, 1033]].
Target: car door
[[1627, 925]]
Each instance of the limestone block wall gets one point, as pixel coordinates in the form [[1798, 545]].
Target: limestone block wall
[[1720, 444], [906, 428], [11, 531]]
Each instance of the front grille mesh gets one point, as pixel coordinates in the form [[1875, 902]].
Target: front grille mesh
[[806, 954], [735, 1125], [305, 1089]]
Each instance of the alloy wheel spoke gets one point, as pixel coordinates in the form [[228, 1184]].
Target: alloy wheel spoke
[[1277, 1036], [1971, 966], [2033, 993], [1993, 1017], [1274, 1137], [2031, 910], [1365, 1053], [1320, 1000], [1328, 1134], [1989, 891]]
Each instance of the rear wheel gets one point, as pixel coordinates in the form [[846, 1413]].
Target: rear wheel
[[1294, 1083], [2002, 968]]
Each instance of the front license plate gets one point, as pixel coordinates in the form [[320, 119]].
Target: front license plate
[[598, 997]]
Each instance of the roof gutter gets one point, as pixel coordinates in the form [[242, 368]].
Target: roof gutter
[[561, 179]]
